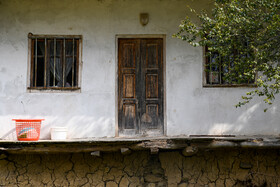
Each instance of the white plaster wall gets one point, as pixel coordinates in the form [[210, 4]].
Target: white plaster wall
[[190, 108]]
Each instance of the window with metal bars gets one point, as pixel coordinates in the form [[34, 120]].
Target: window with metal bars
[[54, 61], [215, 71]]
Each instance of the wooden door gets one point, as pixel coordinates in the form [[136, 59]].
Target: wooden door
[[140, 87]]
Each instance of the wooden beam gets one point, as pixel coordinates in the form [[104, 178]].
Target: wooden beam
[[188, 145], [125, 151], [95, 153], [190, 151], [154, 150]]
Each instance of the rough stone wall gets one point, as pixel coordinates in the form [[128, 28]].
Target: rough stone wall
[[168, 168]]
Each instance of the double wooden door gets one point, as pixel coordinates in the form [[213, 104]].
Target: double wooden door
[[140, 87]]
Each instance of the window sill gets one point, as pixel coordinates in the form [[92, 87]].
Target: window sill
[[53, 90], [229, 85]]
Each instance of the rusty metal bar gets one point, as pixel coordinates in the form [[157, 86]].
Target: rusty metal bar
[[78, 58], [54, 59], [45, 64], [36, 54], [73, 62], [63, 64]]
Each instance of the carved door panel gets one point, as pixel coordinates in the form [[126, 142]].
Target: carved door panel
[[140, 87]]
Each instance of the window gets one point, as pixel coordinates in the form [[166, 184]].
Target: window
[[54, 62], [215, 71]]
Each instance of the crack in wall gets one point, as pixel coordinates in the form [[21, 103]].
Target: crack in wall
[[171, 168]]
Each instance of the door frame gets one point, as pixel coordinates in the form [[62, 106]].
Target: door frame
[[139, 36]]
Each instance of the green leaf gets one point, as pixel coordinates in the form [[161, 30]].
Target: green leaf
[[246, 35]]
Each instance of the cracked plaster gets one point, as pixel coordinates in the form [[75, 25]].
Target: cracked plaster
[[207, 168]]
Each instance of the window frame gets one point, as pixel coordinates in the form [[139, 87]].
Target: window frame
[[220, 85], [78, 63]]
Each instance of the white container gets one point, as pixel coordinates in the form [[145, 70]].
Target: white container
[[59, 133]]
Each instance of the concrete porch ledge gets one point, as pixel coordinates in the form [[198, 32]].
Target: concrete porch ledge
[[155, 143]]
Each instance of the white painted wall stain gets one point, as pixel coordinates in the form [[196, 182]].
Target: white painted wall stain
[[191, 109]]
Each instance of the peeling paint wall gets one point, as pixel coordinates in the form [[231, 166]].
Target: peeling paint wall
[[190, 108], [207, 168]]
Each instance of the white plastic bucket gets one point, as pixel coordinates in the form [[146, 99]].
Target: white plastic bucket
[[58, 133]]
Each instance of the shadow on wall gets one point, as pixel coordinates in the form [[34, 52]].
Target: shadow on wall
[[253, 121], [11, 134], [78, 127], [222, 120]]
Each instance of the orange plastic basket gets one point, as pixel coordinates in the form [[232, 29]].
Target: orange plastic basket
[[28, 129]]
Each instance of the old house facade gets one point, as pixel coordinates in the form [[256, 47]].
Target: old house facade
[[110, 68], [111, 48]]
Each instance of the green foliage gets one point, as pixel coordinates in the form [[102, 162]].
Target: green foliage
[[246, 33]]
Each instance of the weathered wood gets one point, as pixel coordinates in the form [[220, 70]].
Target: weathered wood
[[128, 58], [140, 86], [190, 151], [33, 36], [163, 144], [154, 150], [10, 149], [152, 87], [187, 145], [95, 153], [125, 151]]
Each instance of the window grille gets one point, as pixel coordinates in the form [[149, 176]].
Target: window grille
[[54, 61], [215, 71]]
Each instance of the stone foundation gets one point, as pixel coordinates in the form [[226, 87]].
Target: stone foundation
[[218, 167]]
